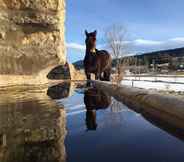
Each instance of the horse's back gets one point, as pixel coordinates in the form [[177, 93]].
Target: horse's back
[[103, 52], [105, 58]]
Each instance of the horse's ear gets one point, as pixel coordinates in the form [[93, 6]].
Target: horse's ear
[[95, 32], [86, 32]]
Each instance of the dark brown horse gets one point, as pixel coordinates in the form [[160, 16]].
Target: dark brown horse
[[96, 61]]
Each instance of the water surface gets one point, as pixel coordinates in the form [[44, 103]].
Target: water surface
[[72, 123]]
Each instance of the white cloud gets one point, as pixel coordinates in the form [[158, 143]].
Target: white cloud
[[143, 45], [138, 45], [144, 42], [75, 46], [101, 46], [178, 39]]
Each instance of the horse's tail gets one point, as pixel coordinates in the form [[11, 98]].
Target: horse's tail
[[109, 63]]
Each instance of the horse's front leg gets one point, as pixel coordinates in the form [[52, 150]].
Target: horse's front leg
[[88, 77], [98, 75]]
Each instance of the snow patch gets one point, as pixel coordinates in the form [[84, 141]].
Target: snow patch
[[148, 83]]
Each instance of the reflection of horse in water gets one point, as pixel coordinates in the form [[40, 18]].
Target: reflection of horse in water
[[94, 100]]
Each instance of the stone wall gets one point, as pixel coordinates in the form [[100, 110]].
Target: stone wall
[[31, 36], [166, 108]]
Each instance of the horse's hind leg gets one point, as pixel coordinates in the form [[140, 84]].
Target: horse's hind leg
[[102, 77], [98, 75], [107, 75]]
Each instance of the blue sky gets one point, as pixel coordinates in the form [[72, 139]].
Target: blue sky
[[150, 24]]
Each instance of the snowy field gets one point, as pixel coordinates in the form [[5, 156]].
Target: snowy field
[[162, 83], [166, 78]]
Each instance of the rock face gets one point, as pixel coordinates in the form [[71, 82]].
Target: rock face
[[31, 36]]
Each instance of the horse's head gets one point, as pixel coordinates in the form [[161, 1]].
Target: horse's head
[[91, 40]]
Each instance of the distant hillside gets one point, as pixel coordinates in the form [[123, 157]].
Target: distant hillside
[[78, 64], [177, 52], [157, 55]]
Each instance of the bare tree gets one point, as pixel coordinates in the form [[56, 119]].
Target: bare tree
[[116, 42]]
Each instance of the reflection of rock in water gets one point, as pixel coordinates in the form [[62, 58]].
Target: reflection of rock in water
[[32, 130], [62, 90], [59, 91], [94, 99], [165, 122]]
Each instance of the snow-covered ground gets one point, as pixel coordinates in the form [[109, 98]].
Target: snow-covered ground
[[158, 83], [166, 78]]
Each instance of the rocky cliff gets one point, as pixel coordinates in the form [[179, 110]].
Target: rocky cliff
[[31, 37]]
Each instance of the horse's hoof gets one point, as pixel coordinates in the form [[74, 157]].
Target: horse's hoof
[[88, 84]]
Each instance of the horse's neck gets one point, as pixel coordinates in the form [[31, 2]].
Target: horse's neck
[[89, 52]]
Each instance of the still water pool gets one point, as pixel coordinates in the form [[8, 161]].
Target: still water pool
[[68, 122]]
